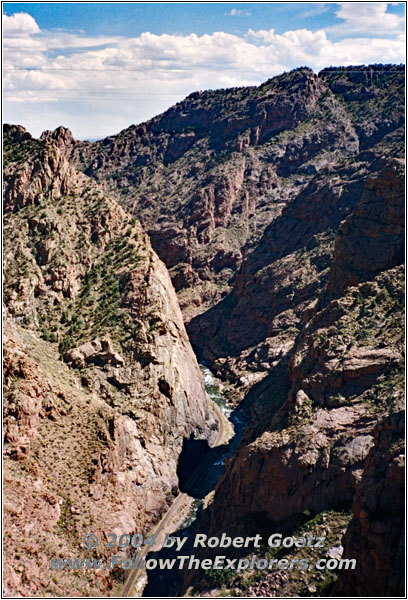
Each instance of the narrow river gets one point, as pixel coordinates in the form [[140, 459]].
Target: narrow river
[[213, 388], [167, 583]]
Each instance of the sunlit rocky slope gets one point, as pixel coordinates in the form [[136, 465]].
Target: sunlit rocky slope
[[101, 383]]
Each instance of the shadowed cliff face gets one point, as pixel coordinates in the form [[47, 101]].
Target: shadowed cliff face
[[343, 375], [208, 176], [375, 537], [298, 257], [96, 436], [372, 239], [334, 438]]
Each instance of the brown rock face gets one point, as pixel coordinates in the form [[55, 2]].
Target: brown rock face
[[23, 409], [321, 477], [372, 238], [311, 455], [80, 274], [49, 176], [278, 284], [17, 132], [375, 537], [62, 137]]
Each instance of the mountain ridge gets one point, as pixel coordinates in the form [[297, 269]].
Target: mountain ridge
[[278, 211]]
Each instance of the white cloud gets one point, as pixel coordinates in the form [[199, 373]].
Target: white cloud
[[314, 49], [71, 40], [84, 78], [234, 12], [19, 24], [367, 17]]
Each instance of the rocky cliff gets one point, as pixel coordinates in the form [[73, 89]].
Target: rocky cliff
[[344, 374], [335, 439], [375, 537], [210, 174], [297, 258], [102, 385], [372, 239]]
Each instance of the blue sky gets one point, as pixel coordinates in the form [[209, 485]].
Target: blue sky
[[130, 19], [133, 19], [98, 67]]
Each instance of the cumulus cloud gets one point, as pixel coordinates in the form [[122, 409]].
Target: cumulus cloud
[[367, 17], [19, 24], [84, 77], [316, 50]]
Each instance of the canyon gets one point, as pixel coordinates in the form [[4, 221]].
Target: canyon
[[257, 229]]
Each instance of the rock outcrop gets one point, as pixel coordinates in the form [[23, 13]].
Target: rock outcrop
[[80, 274], [345, 374], [371, 240], [62, 137], [375, 537]]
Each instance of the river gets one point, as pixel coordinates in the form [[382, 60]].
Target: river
[[167, 583], [213, 388]]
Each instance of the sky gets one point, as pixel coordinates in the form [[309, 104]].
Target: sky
[[98, 67]]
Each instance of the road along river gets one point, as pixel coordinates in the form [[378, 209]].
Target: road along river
[[180, 517]]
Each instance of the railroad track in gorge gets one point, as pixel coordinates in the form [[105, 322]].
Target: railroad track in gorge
[[179, 504]]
